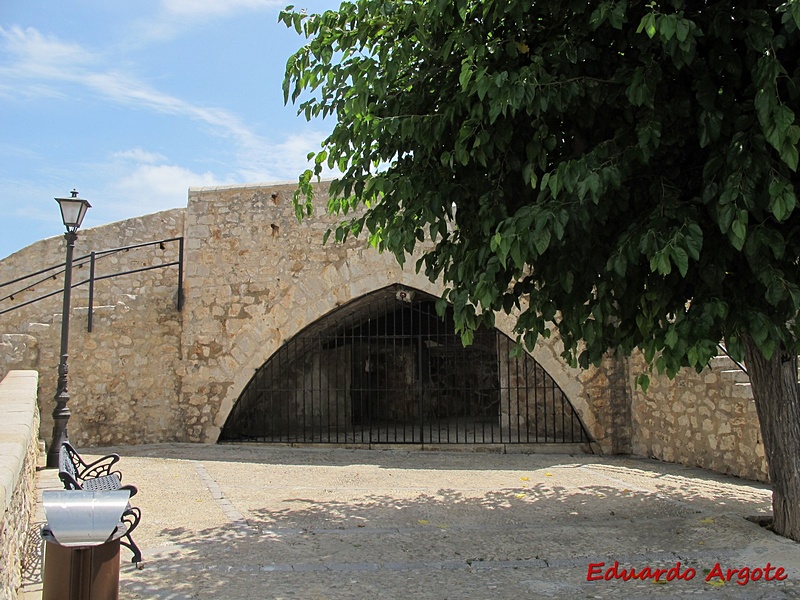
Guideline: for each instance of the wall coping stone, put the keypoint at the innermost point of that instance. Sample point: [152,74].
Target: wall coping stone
[18,393]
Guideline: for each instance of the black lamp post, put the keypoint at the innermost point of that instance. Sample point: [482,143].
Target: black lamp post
[73,209]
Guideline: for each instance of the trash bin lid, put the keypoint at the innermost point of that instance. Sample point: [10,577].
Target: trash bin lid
[81,518]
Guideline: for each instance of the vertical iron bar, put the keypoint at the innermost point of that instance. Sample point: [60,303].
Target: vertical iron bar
[501,339]
[369,392]
[527,428]
[303,358]
[331,380]
[287,401]
[536,400]
[545,386]
[180,273]
[508,397]
[340,364]
[274,428]
[90,317]
[553,400]
[420,377]
[519,392]
[400,420]
[320,404]
[316,396]
[355,411]
[418,318]
[571,425]
[264,396]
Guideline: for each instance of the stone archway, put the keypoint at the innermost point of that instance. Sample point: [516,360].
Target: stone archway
[385,368]
[255,278]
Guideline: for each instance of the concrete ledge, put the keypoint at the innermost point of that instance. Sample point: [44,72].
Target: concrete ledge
[18,406]
[19,429]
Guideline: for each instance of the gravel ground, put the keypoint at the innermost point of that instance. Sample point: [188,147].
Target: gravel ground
[242,522]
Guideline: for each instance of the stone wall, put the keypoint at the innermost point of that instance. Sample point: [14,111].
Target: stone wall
[703,419]
[19,452]
[124,377]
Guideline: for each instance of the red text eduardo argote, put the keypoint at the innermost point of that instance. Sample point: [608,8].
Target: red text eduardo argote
[718,573]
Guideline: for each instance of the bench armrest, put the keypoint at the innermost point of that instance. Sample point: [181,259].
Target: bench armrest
[98,468]
[70,483]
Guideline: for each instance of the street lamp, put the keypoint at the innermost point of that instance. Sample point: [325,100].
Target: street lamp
[73,209]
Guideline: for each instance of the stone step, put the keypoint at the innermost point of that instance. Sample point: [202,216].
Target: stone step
[723,362]
[737,375]
[742,390]
[82,312]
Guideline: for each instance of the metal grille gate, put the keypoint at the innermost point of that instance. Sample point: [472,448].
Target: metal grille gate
[387,369]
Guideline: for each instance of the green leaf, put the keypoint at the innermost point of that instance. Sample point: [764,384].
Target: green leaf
[671,338]
[638,92]
[776,202]
[482,83]
[599,15]
[682,29]
[763,103]
[727,213]
[681,260]
[649,351]
[494,245]
[783,117]
[662,263]
[692,356]
[620,264]
[737,233]
[648,25]
[789,155]
[693,241]
[775,292]
[466,75]
[666,26]
[541,239]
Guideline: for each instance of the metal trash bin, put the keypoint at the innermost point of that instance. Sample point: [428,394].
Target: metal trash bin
[81,560]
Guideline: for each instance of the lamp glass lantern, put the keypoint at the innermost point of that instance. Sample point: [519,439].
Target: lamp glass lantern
[73,209]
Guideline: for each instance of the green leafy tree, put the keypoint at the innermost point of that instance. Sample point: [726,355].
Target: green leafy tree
[622,172]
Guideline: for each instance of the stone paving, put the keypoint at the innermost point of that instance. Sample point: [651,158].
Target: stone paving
[238,522]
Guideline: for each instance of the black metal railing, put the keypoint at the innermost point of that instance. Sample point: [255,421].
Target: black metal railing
[736,362]
[37,278]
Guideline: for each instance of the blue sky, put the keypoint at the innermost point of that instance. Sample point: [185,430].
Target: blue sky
[132,103]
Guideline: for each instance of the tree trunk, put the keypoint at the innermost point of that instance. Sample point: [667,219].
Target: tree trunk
[777,397]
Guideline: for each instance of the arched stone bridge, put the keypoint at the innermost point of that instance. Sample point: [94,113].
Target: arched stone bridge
[255,279]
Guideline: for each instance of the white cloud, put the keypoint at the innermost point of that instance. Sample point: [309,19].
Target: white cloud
[42,63]
[33,63]
[174,17]
[278,160]
[42,53]
[216,8]
[151,188]
[140,156]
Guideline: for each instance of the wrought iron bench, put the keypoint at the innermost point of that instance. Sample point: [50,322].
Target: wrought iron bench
[76,474]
